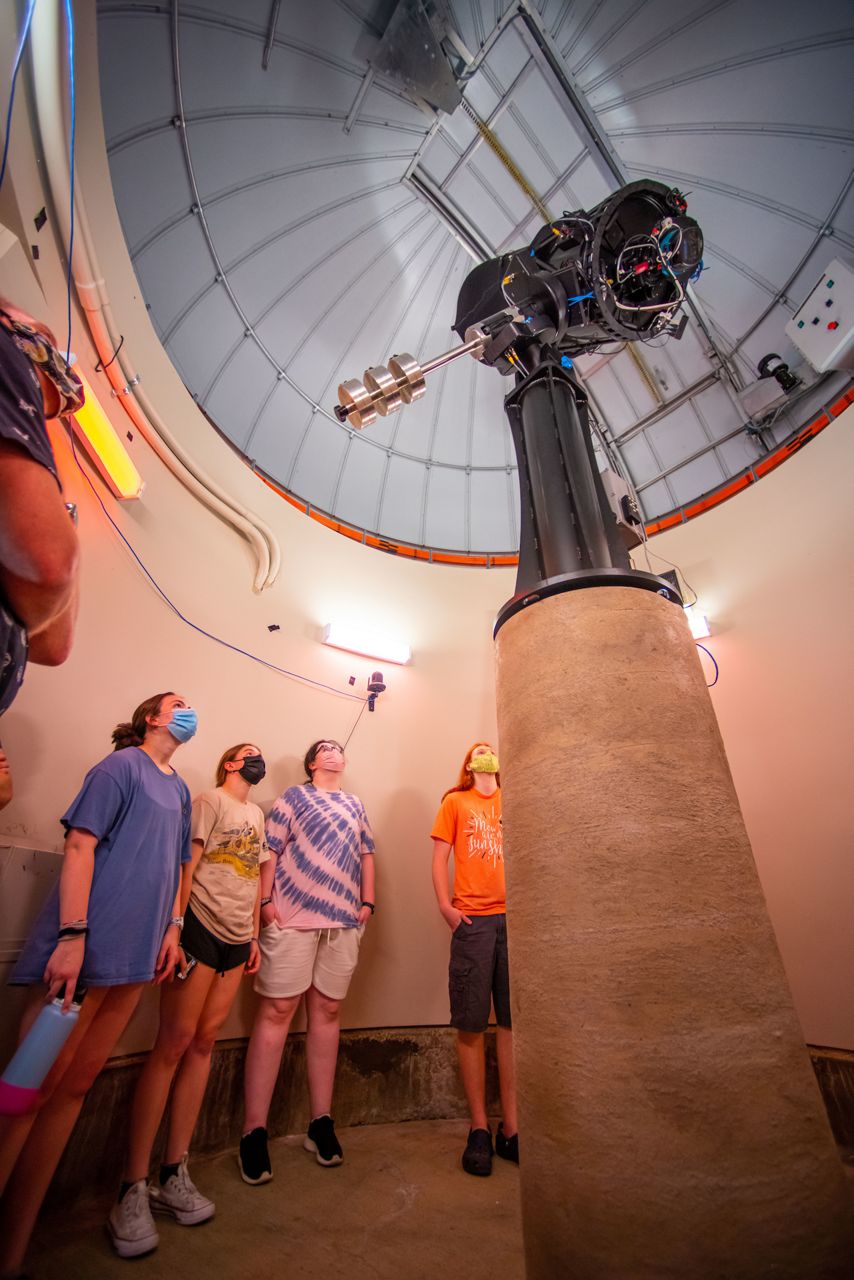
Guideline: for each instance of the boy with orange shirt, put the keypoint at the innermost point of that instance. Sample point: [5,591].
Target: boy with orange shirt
[469,822]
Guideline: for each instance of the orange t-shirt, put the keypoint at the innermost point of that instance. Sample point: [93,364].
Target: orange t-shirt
[472,824]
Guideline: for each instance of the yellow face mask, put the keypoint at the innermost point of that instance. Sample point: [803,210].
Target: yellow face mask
[484,764]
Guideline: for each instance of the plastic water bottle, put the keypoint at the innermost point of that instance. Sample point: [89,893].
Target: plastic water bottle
[36,1054]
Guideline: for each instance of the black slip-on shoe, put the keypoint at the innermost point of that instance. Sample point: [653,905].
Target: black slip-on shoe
[477,1157]
[506,1148]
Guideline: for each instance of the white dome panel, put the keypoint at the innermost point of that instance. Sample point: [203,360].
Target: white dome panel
[309,170]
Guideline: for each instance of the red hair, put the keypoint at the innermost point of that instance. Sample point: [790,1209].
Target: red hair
[466,780]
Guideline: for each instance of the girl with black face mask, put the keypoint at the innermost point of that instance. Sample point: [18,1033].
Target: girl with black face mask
[221,907]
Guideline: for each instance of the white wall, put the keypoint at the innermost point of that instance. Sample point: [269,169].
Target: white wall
[773,570]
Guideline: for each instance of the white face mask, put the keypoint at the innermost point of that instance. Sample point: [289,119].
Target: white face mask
[484,764]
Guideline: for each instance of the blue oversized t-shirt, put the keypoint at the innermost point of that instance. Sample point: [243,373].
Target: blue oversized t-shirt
[141,817]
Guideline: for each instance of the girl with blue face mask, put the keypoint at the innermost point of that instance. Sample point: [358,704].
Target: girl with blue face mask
[222,901]
[112,924]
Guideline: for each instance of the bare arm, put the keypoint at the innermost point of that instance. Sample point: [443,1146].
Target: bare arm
[368,885]
[268,870]
[170,948]
[253,962]
[5,780]
[441,856]
[38,544]
[188,870]
[50,645]
[75,882]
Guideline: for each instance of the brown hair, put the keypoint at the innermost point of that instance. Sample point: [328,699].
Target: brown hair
[225,758]
[312,753]
[466,780]
[132,732]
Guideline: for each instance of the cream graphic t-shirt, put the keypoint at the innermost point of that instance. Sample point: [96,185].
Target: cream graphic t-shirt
[225,881]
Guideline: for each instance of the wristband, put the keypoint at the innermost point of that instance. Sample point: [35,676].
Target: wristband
[72,931]
[265,902]
[372,905]
[178,921]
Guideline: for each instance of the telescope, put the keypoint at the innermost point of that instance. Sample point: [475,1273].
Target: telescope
[615,273]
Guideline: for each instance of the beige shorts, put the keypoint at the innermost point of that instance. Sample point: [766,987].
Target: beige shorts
[292,960]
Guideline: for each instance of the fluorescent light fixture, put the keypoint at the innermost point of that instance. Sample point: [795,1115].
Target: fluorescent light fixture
[365,640]
[698,622]
[94,429]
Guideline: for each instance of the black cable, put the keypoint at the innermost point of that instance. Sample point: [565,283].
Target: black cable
[102,368]
[355,723]
[714,664]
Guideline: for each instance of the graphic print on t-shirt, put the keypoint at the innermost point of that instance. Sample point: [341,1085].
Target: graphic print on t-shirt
[483,836]
[237,848]
[471,824]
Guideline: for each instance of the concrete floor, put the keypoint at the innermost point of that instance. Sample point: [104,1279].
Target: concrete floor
[398,1208]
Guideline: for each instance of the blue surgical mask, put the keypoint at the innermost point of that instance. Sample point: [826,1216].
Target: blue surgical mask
[184,723]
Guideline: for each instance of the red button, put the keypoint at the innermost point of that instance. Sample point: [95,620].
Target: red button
[834,324]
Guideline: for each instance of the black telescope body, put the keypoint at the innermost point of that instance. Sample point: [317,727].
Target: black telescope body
[616,273]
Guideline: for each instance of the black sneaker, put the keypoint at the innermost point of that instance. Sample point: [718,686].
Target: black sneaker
[322,1141]
[507,1148]
[477,1157]
[254,1158]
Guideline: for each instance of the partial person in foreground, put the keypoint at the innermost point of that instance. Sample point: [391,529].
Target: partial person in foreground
[469,823]
[38,542]
[220,903]
[317,896]
[112,925]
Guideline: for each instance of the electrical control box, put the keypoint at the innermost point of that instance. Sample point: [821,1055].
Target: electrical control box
[823,326]
[623,504]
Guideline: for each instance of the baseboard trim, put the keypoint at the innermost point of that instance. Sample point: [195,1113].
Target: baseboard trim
[385,1076]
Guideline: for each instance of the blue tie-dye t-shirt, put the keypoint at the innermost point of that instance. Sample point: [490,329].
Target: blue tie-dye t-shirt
[317,839]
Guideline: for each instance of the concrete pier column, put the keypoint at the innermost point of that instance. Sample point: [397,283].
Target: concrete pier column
[670,1121]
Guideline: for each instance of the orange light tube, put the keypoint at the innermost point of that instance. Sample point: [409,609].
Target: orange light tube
[103,445]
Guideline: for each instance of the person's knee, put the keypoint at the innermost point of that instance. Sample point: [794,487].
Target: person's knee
[470,1039]
[324,1007]
[173,1043]
[203,1042]
[77,1080]
[277,1010]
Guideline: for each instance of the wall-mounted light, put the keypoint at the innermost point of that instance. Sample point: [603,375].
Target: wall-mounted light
[95,431]
[366,640]
[697,621]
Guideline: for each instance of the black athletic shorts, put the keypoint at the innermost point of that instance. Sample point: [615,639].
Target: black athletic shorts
[202,945]
[479,972]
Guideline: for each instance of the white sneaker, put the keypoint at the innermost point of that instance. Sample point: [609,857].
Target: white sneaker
[130,1223]
[181,1199]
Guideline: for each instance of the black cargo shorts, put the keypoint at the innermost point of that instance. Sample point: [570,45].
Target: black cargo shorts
[478,971]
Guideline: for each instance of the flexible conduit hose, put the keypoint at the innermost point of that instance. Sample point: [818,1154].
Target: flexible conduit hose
[47,45]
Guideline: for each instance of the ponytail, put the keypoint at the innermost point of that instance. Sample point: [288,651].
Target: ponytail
[132,732]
